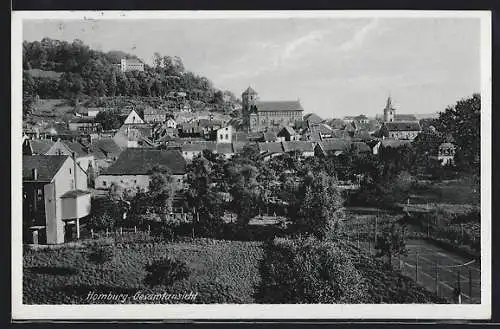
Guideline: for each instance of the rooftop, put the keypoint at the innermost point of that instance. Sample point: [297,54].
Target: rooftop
[279,106]
[402,126]
[47,166]
[140,161]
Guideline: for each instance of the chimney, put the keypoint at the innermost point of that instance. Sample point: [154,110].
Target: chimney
[35,173]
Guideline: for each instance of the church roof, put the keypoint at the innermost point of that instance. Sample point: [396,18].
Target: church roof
[279,106]
[402,126]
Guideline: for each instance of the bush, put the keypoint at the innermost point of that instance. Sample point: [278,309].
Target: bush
[309,271]
[100,253]
[165,272]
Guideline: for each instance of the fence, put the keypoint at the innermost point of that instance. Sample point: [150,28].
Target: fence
[437,272]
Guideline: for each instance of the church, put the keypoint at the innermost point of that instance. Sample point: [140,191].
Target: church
[259,115]
[399,126]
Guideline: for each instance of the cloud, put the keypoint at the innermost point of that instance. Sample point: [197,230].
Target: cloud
[359,37]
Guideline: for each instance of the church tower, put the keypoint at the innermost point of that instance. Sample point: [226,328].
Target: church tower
[248,98]
[389,111]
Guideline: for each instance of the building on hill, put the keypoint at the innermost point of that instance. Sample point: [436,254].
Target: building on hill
[134,167]
[85,125]
[258,115]
[131,135]
[55,198]
[152,115]
[130,64]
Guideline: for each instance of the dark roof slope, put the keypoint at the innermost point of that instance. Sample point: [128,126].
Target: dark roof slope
[102,148]
[140,161]
[334,144]
[405,117]
[402,126]
[273,147]
[279,106]
[40,146]
[77,148]
[47,166]
[299,146]
[312,118]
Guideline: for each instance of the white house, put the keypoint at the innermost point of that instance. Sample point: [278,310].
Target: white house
[55,198]
[225,134]
[171,123]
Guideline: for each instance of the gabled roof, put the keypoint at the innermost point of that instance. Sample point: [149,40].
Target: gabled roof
[47,166]
[279,106]
[273,147]
[288,130]
[405,117]
[402,126]
[361,147]
[312,118]
[140,161]
[77,148]
[40,146]
[321,128]
[334,144]
[101,148]
[299,146]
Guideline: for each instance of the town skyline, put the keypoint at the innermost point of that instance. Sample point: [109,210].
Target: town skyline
[369,64]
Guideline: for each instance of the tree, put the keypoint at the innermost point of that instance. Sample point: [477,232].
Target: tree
[391,242]
[161,189]
[109,119]
[320,206]
[463,122]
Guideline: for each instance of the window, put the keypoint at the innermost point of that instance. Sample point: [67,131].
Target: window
[103,183]
[227,137]
[121,181]
[70,171]
[135,181]
[221,136]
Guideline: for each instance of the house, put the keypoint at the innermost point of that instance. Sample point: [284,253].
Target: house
[288,134]
[55,198]
[131,135]
[446,154]
[389,143]
[271,149]
[302,148]
[192,150]
[133,118]
[400,130]
[84,158]
[258,115]
[332,147]
[84,125]
[134,167]
[90,112]
[130,64]
[225,134]
[105,152]
[152,115]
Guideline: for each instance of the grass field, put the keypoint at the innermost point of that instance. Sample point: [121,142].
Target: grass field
[464,191]
[220,271]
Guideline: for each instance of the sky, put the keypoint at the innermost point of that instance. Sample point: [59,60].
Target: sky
[334,66]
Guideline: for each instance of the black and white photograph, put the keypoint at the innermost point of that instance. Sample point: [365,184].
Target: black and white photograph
[251,164]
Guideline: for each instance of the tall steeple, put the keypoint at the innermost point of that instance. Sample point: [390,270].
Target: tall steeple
[389,111]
